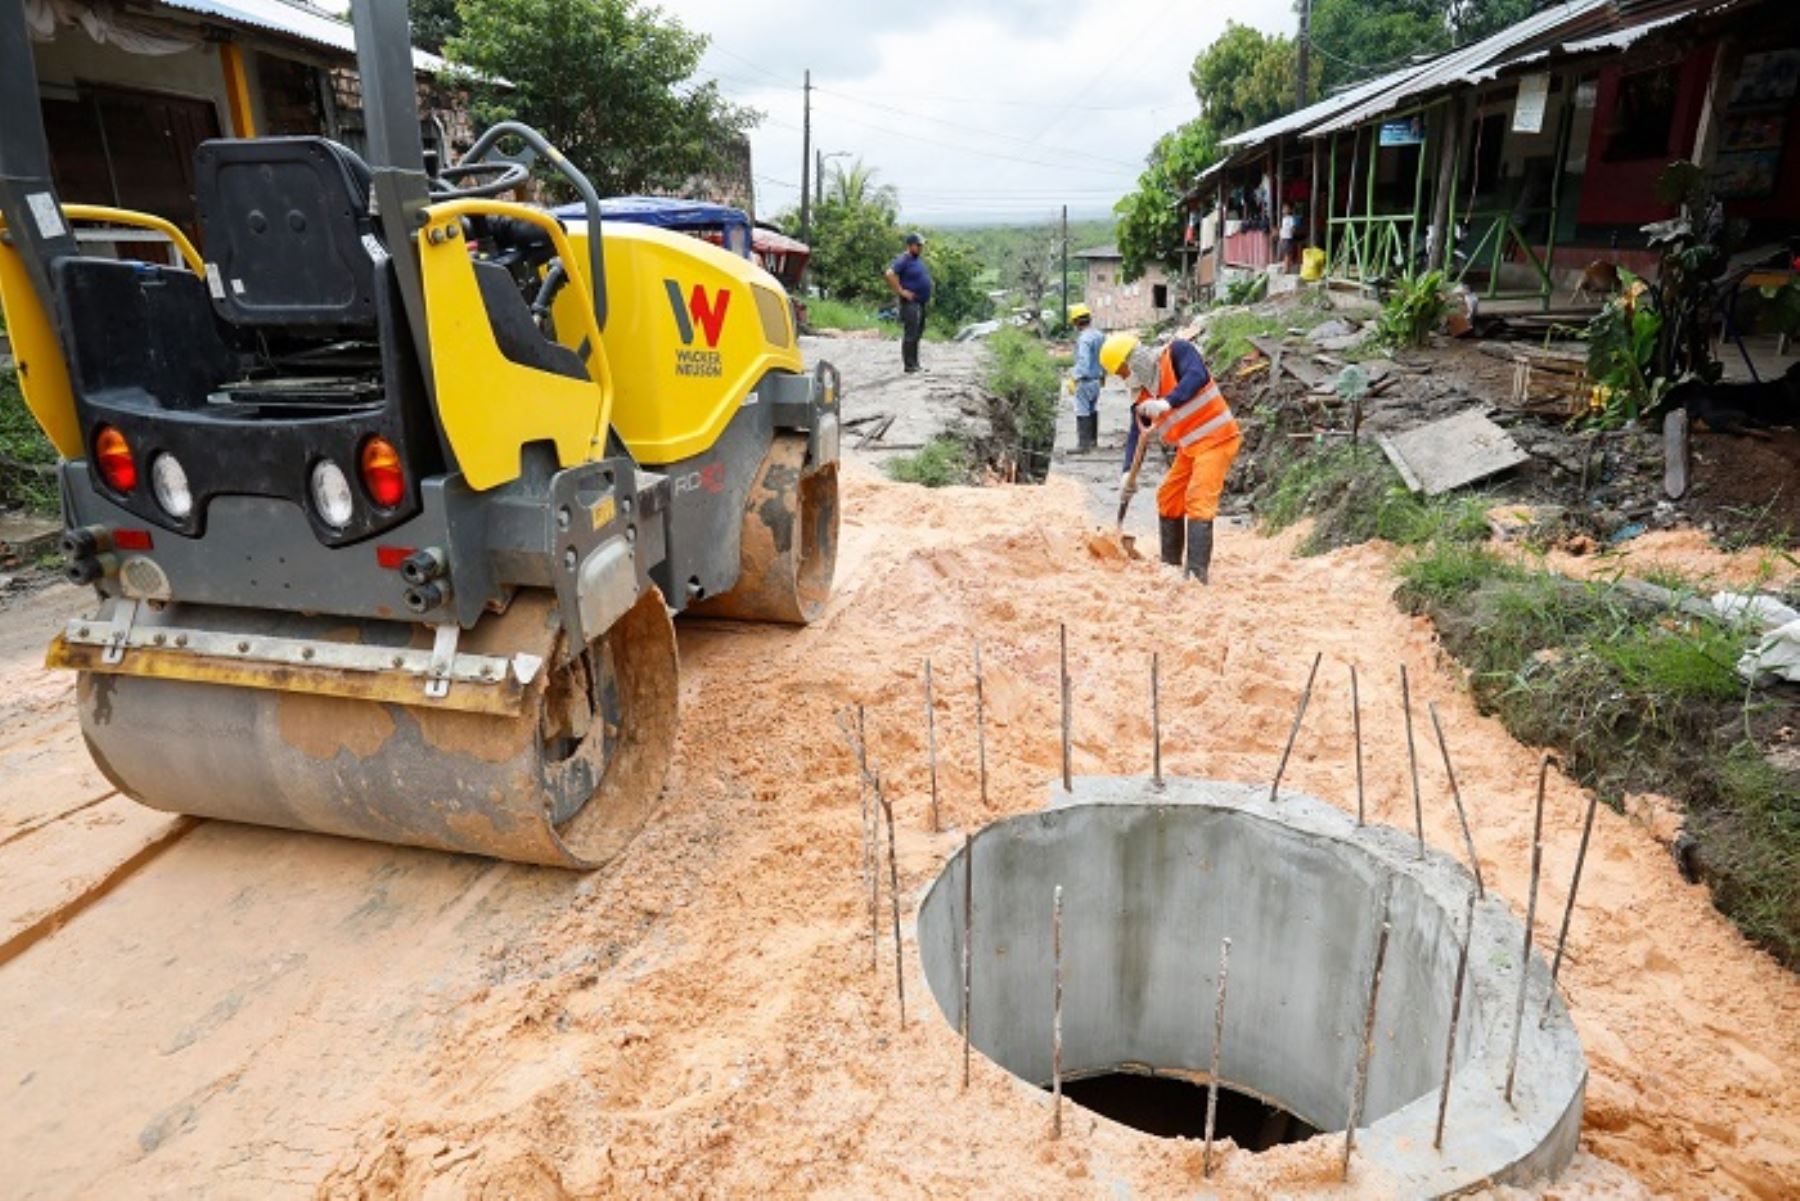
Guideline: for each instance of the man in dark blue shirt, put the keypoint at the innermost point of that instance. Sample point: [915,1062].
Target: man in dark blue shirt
[911,282]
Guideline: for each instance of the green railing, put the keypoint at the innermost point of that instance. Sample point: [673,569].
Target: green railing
[1500,231]
[1368,249]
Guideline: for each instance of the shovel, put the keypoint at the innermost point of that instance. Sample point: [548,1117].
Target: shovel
[1128,489]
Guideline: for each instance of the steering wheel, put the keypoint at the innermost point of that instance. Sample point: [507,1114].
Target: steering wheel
[511,174]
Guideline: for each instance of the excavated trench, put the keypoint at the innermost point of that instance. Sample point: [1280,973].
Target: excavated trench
[1153,881]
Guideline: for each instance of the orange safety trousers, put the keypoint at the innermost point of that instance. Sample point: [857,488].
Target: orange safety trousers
[1194,481]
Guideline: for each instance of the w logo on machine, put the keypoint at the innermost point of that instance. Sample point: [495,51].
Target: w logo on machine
[698,310]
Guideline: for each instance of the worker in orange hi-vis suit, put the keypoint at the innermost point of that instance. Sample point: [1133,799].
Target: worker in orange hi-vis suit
[1178,399]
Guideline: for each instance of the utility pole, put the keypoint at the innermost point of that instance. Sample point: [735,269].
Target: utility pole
[1065,268]
[806,161]
[1305,38]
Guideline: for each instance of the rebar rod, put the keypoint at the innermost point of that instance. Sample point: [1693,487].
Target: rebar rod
[1068,777]
[1294,731]
[931,747]
[1156,776]
[1537,864]
[1462,971]
[1562,936]
[1212,1076]
[1412,760]
[1462,815]
[1356,729]
[967,951]
[1360,1088]
[980,727]
[1056,1016]
[894,896]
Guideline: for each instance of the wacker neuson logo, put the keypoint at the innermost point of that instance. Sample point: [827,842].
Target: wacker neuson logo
[706,313]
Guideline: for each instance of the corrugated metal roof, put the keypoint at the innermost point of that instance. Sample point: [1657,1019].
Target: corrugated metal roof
[1320,110]
[302,22]
[1464,65]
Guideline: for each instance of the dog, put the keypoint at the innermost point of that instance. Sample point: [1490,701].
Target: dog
[1739,408]
[1599,278]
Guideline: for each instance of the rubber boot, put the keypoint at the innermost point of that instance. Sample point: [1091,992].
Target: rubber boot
[1087,432]
[1170,528]
[1199,548]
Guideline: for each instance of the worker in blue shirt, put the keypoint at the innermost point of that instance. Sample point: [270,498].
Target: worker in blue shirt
[911,282]
[1089,375]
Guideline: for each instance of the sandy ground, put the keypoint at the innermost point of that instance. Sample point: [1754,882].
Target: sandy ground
[235,1012]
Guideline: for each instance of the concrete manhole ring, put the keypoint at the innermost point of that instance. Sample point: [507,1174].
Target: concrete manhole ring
[1153,880]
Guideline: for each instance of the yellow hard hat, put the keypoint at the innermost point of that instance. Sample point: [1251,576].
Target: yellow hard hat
[1078,311]
[1115,350]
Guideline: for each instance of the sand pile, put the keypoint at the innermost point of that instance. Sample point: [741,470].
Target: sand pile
[703,1019]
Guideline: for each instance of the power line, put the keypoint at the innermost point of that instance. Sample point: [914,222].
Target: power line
[982,151]
[988,133]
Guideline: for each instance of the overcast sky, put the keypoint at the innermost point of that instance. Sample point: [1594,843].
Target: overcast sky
[976,111]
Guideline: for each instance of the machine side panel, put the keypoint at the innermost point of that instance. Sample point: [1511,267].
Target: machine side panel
[687,341]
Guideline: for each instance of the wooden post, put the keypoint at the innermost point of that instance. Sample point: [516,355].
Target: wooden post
[1449,149]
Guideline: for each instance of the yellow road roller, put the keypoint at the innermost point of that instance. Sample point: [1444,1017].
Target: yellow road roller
[389,488]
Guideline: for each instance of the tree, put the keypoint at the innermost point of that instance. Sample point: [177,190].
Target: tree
[599,79]
[854,235]
[434,22]
[1359,39]
[1150,219]
[1243,79]
[1036,276]
[956,295]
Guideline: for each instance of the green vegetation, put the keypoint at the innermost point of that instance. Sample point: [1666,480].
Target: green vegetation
[26,456]
[945,460]
[1622,343]
[822,312]
[1416,307]
[1024,387]
[611,83]
[1636,696]
[1354,496]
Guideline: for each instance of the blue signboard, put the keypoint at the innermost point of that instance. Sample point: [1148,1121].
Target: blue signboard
[1407,131]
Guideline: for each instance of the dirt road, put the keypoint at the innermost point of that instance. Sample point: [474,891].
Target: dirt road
[221,1011]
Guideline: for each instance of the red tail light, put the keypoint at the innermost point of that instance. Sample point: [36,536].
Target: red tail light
[112,454]
[124,539]
[382,474]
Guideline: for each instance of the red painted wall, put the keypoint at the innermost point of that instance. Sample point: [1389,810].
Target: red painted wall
[1625,192]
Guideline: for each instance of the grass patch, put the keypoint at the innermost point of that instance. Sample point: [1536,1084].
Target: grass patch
[26,456]
[824,313]
[1636,696]
[1355,496]
[1636,699]
[944,461]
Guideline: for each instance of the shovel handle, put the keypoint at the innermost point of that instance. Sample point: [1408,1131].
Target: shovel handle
[1129,488]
